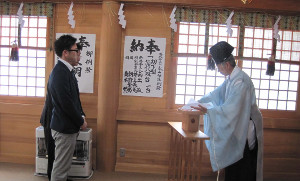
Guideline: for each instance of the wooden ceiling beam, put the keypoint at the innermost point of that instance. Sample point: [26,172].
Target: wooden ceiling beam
[283,7]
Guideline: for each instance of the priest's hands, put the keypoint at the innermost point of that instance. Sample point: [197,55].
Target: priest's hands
[200,108]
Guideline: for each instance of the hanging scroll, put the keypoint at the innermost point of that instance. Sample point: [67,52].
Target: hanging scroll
[143,66]
[85,68]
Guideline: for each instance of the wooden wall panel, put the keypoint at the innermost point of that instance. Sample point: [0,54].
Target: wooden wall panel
[146,147]
[281,153]
[149,21]
[17,138]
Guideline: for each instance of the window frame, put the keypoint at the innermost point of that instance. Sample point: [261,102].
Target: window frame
[48,68]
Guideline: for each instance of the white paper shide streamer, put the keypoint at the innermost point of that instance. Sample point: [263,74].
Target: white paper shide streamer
[276,30]
[122,20]
[20,15]
[173,20]
[71,16]
[229,25]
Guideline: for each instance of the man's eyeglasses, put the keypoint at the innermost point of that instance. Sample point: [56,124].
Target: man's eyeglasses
[76,50]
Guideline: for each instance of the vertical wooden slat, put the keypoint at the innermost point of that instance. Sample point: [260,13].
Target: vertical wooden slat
[189,160]
[183,159]
[194,164]
[172,155]
[179,157]
[200,159]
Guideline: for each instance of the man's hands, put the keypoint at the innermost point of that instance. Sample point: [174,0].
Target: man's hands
[84,125]
[200,108]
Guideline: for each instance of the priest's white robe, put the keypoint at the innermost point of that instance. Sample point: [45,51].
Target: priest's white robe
[227,122]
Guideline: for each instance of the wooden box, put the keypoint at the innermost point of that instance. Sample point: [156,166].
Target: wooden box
[191,120]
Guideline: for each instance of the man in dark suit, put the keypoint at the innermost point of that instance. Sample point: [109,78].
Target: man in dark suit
[67,114]
[45,122]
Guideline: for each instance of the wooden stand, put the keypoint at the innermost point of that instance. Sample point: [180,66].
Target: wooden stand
[185,153]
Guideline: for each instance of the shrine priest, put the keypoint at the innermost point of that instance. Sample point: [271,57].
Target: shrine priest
[234,123]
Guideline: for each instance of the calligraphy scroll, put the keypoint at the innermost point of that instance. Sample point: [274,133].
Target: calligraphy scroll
[143,66]
[86,67]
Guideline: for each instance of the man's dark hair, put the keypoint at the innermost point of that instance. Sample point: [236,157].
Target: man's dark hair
[79,47]
[65,42]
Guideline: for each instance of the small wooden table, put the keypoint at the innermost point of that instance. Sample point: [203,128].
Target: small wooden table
[185,153]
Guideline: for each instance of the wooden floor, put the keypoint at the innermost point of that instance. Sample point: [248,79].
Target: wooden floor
[20,172]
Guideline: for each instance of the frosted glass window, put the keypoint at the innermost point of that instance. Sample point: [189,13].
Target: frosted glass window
[182,49]
[192,61]
[283,85]
[181,69]
[272,104]
[183,29]
[22,91]
[181,79]
[277,92]
[263,104]
[192,49]
[4,80]
[293,86]
[194,29]
[191,70]
[210,81]
[270,90]
[183,39]
[281,105]
[181,60]
[40,92]
[191,80]
[201,80]
[20,75]
[179,99]
[200,90]
[193,40]
[31,91]
[180,89]
[291,106]
[190,90]
[13,90]
[209,89]
[292,96]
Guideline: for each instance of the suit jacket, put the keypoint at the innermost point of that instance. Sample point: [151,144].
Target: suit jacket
[47,111]
[67,110]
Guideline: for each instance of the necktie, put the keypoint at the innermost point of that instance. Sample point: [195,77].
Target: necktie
[75,80]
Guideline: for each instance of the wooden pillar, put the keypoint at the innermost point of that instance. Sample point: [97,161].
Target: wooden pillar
[108,86]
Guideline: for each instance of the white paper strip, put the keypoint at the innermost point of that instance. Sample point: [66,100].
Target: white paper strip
[71,16]
[173,20]
[20,14]
[122,20]
[276,30]
[229,25]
